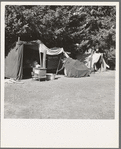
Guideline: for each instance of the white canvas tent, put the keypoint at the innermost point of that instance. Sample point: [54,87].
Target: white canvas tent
[90,59]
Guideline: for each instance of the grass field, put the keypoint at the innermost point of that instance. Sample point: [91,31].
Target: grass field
[63,98]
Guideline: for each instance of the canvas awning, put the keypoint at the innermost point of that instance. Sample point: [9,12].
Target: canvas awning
[52,51]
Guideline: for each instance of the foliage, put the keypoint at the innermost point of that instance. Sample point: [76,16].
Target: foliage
[75,28]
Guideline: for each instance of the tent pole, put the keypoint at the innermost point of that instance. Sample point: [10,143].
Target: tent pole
[91,59]
[18,39]
[40,57]
[40,54]
[44,59]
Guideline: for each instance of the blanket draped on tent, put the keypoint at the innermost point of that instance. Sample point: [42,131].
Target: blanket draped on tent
[75,68]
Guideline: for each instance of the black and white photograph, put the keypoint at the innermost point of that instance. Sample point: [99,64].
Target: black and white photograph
[60,63]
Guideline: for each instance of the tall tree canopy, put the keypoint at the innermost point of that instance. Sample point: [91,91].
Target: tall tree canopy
[75,28]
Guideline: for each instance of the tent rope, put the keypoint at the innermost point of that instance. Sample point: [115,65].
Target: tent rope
[58,66]
[61,68]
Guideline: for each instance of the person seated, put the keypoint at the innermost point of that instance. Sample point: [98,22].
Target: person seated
[36,67]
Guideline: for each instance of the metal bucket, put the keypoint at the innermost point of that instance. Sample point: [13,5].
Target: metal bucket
[50,76]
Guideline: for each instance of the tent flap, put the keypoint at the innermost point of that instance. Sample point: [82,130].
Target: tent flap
[20,63]
[13,63]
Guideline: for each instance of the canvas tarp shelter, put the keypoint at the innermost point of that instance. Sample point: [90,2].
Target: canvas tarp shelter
[75,68]
[14,60]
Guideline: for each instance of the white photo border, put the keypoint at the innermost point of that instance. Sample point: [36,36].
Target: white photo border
[60,133]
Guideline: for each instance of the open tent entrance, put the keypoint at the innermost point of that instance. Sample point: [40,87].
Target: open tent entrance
[30,54]
[53,62]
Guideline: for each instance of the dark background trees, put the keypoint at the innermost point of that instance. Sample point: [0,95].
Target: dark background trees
[75,28]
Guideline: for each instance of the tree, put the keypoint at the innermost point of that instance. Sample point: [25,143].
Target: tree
[75,28]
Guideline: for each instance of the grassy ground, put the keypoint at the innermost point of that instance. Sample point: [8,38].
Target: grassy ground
[63,98]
